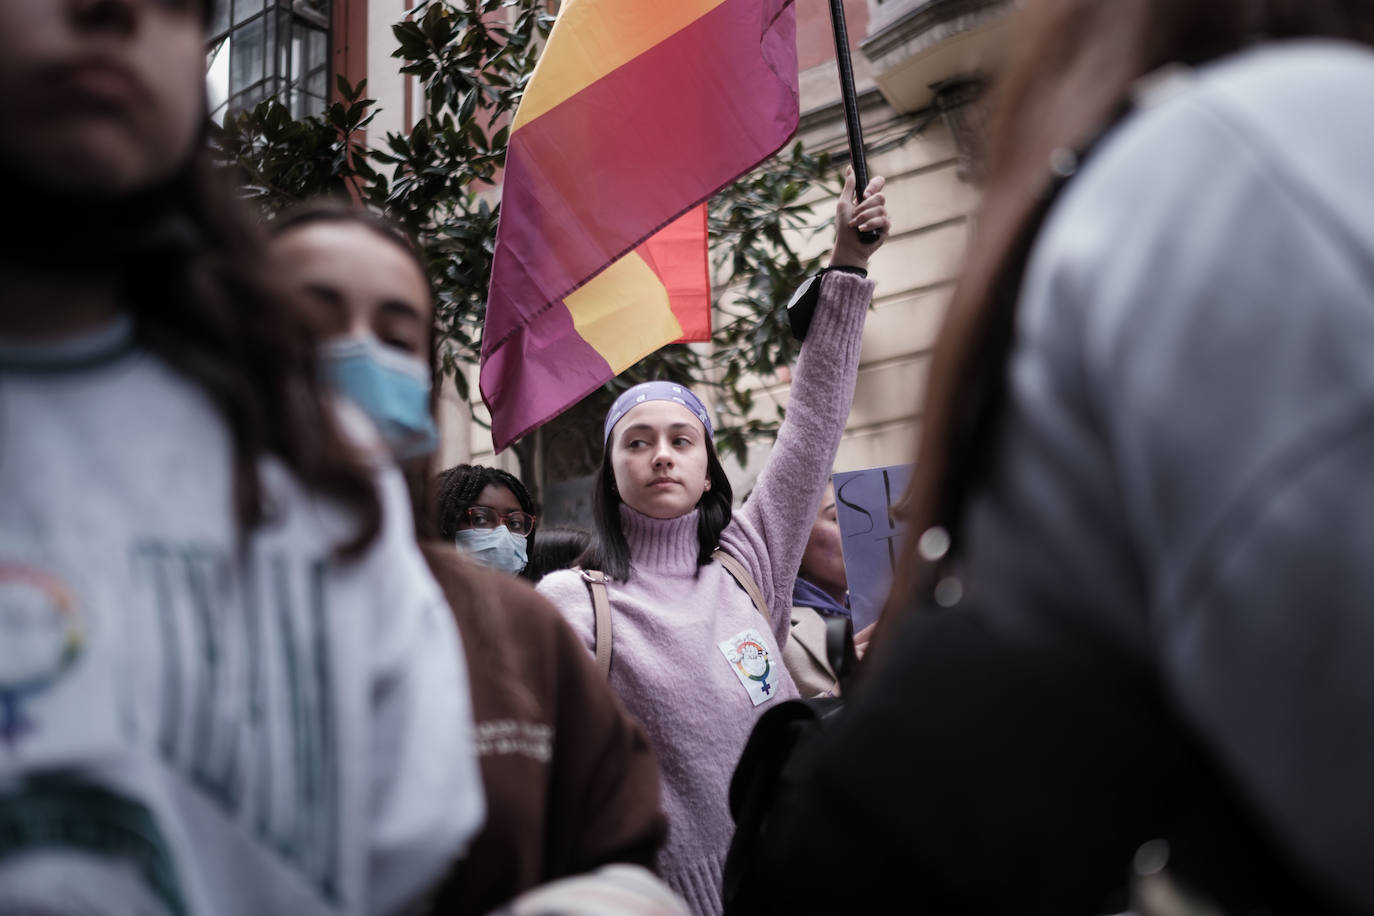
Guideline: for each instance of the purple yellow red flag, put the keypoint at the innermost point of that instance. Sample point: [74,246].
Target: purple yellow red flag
[636,113]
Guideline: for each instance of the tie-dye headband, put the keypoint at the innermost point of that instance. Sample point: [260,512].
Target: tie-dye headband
[656,391]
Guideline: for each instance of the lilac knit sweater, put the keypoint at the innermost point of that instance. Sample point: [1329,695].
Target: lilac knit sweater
[669,618]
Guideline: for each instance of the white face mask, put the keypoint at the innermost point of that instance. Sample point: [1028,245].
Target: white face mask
[496,548]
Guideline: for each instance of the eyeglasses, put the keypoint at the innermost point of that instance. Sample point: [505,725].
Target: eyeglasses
[486,517]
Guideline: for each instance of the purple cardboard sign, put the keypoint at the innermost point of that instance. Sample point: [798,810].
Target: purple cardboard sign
[870,533]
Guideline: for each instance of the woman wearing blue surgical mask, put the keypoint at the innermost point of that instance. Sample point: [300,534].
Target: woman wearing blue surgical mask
[488,514]
[376,301]
[571,784]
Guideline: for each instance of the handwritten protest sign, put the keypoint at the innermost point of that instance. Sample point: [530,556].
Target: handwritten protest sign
[870,533]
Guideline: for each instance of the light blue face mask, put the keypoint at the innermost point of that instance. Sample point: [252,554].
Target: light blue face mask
[390,387]
[496,548]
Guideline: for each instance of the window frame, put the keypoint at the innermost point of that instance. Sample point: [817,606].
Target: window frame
[293,61]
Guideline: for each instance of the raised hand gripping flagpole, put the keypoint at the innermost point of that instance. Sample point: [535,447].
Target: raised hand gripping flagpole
[851,108]
[803,304]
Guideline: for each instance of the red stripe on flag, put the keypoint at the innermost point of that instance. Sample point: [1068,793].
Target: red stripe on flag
[677,255]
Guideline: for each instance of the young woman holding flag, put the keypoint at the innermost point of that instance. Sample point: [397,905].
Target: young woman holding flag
[691,655]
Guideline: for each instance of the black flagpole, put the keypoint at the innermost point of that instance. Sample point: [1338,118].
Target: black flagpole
[851,108]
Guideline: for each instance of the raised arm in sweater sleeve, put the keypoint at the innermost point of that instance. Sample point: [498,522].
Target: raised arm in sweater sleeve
[1228,336]
[772,527]
[776,521]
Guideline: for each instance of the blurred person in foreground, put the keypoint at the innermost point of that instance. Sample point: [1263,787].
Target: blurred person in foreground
[227,683]
[1136,602]
[571,784]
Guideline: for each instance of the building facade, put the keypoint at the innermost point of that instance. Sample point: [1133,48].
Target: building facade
[920,70]
[262,48]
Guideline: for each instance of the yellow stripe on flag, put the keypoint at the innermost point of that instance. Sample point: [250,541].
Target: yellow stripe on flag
[623,312]
[593,37]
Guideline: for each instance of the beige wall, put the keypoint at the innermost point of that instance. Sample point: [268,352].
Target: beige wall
[385,83]
[930,207]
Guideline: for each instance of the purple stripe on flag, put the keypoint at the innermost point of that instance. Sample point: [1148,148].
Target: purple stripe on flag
[537,374]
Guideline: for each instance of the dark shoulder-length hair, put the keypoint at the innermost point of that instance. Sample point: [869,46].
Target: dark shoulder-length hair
[610,552]
[211,307]
[1069,76]
[560,547]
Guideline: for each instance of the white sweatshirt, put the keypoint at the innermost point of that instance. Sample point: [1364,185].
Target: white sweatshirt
[185,728]
[1184,464]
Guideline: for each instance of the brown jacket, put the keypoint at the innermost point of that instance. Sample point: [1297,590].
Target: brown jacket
[570,780]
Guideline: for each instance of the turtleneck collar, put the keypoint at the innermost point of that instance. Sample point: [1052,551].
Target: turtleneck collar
[664,546]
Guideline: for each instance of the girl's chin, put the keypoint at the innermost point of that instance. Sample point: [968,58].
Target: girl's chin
[663,511]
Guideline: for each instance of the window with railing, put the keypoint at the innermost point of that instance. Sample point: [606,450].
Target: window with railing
[261,48]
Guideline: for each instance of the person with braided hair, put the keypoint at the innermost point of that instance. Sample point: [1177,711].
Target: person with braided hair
[228,684]
[488,514]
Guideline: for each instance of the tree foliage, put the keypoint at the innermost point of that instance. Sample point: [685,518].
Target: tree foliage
[472,60]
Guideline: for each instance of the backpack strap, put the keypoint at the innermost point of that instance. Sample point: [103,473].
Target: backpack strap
[601,610]
[601,603]
[741,575]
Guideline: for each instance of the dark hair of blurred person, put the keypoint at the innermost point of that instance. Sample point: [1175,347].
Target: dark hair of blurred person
[559,547]
[1140,486]
[570,781]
